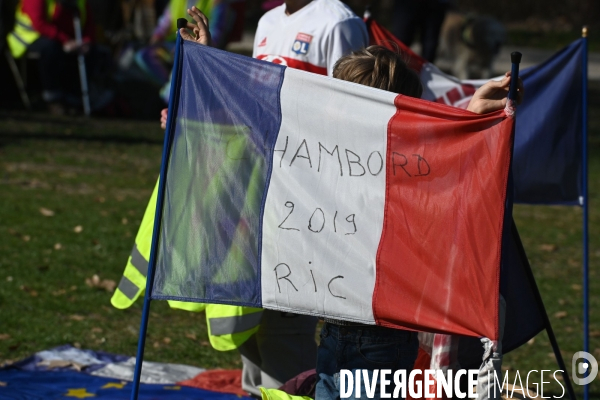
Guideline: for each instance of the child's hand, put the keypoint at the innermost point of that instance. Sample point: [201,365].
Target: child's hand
[163,118]
[201,34]
[492,96]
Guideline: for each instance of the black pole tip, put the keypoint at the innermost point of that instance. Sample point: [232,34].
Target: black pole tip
[181,23]
[515,57]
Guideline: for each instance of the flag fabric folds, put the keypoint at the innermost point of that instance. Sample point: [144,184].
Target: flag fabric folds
[296,192]
[547,161]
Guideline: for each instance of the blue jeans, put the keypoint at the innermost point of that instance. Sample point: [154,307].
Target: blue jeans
[361,347]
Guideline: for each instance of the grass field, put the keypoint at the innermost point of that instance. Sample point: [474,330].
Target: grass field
[73,192]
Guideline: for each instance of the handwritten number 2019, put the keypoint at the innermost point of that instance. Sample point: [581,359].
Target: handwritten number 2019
[317,220]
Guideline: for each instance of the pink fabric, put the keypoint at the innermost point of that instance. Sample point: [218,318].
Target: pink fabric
[270,4]
[302,384]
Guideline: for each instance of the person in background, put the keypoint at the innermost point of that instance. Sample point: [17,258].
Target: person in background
[310,35]
[156,59]
[46,27]
[420,17]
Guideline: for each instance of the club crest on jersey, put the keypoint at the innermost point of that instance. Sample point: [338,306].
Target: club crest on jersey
[302,43]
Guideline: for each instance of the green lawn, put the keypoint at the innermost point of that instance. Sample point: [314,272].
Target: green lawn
[73,193]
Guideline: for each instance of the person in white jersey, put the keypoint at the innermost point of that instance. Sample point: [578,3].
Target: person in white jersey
[312,38]
[310,35]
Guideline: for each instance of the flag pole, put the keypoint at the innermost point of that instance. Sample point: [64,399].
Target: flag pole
[584,150]
[515,58]
[157,216]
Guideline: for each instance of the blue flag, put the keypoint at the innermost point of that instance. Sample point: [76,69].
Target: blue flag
[547,159]
[547,162]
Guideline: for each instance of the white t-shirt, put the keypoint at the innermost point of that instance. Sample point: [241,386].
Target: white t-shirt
[312,39]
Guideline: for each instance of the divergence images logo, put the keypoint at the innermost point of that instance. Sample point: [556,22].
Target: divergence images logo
[584,371]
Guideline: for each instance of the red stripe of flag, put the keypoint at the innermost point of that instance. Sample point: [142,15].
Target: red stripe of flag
[443,217]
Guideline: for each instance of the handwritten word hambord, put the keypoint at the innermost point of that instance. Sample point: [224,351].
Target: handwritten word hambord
[349,162]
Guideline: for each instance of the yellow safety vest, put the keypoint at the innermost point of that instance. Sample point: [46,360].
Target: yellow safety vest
[178,10]
[24,33]
[228,326]
[274,394]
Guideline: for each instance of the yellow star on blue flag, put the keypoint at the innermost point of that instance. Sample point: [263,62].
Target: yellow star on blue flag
[79,393]
[114,385]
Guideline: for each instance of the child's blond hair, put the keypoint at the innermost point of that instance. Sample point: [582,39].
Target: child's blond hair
[380,68]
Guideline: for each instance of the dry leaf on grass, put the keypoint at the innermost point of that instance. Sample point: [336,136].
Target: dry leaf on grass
[167,340]
[573,263]
[156,345]
[594,333]
[560,314]
[78,229]
[57,246]
[548,247]
[531,341]
[105,284]
[28,290]
[76,317]
[191,336]
[97,330]
[26,238]
[46,212]
[576,286]
[4,336]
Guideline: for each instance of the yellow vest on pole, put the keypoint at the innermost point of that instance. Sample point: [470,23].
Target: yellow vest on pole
[228,326]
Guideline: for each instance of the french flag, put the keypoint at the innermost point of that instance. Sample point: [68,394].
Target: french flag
[302,193]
